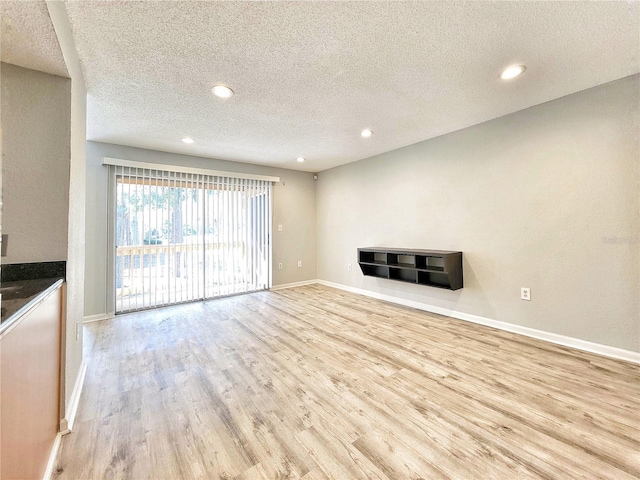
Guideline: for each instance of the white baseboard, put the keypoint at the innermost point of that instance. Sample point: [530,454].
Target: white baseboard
[98,317]
[604,350]
[66,425]
[53,457]
[295,284]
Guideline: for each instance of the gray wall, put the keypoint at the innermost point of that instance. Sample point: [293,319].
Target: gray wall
[43,177]
[293,207]
[35,171]
[546,198]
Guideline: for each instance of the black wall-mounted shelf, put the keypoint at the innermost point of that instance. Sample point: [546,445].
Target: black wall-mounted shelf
[435,268]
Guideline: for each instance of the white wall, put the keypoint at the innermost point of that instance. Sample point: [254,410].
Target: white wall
[73,340]
[35,169]
[293,207]
[546,198]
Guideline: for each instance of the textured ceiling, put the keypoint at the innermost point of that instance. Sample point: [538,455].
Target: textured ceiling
[309,76]
[28,39]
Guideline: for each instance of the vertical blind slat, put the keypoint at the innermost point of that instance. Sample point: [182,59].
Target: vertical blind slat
[187,236]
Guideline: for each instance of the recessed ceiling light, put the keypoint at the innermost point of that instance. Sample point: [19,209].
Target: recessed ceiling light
[188,140]
[366,133]
[222,91]
[512,72]
[300,159]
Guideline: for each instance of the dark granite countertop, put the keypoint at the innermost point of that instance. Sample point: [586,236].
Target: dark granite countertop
[21,296]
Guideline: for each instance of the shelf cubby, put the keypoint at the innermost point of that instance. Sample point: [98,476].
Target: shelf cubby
[375,270]
[434,268]
[381,258]
[434,279]
[430,263]
[403,274]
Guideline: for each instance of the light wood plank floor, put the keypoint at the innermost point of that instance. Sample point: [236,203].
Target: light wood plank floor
[316,383]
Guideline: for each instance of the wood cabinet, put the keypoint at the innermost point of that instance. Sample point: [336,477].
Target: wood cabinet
[30,389]
[434,268]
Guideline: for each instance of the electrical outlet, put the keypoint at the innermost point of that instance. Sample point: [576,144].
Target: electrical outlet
[299,263]
[349,267]
[280,266]
[525,294]
[279,227]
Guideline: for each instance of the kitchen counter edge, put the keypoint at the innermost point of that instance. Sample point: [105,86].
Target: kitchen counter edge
[15,318]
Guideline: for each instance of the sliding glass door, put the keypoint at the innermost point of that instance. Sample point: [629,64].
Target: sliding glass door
[181,237]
